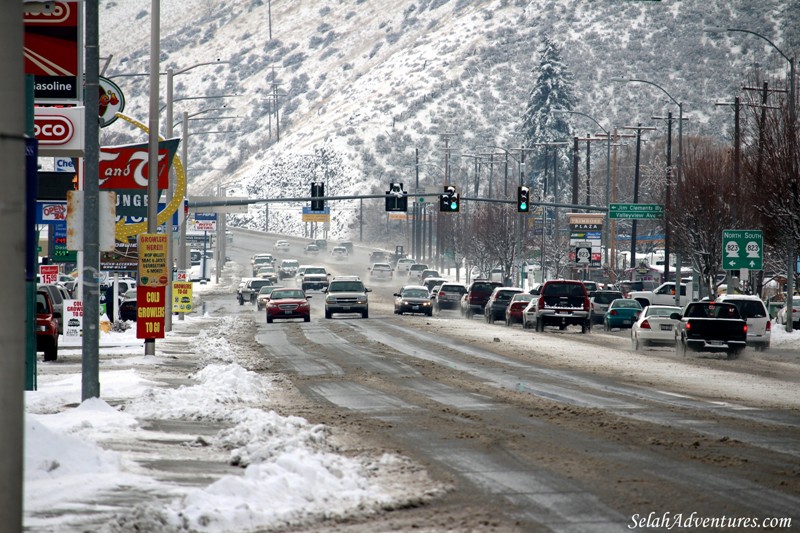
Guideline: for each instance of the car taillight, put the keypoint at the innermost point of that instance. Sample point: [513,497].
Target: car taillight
[645,325]
[688,326]
[587,304]
[613,312]
[540,303]
[769,325]
[745,328]
[442,293]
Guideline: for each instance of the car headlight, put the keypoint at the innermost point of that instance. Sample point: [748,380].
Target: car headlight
[330,299]
[426,303]
[362,300]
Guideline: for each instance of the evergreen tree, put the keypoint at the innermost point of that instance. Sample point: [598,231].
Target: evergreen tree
[552,90]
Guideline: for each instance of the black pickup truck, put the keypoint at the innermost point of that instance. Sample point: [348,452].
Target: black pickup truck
[710,327]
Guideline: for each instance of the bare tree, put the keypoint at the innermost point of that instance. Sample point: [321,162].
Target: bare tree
[705,207]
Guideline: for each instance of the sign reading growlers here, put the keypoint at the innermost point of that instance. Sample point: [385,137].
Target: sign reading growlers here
[153,260]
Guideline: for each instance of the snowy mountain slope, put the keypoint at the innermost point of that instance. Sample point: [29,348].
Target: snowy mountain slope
[367,83]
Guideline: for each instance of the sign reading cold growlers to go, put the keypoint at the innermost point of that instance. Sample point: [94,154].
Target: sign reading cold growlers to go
[150,312]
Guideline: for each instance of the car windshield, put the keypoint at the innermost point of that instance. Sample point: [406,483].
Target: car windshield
[346,286]
[483,286]
[381,266]
[415,293]
[267,289]
[314,271]
[290,263]
[279,294]
[523,297]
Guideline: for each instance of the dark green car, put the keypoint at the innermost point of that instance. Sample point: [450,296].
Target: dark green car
[622,313]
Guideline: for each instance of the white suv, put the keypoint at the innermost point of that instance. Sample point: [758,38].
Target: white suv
[754,311]
[380,272]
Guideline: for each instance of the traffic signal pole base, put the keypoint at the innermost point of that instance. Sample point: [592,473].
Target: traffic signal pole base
[149,346]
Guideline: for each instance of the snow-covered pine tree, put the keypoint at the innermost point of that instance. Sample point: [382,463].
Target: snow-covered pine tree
[551,90]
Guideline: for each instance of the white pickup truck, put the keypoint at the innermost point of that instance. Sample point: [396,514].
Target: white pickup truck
[664,294]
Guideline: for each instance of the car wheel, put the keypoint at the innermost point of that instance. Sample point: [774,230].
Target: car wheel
[586,327]
[733,353]
[635,341]
[241,300]
[269,319]
[306,319]
[327,314]
[51,350]
[468,314]
[508,322]
[430,313]
[606,326]
[539,325]
[489,317]
[365,314]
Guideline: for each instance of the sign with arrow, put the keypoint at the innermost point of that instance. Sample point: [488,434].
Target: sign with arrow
[742,249]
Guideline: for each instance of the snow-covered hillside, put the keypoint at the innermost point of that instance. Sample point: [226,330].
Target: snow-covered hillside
[366,83]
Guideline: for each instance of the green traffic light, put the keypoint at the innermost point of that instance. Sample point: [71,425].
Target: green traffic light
[453,206]
[523,206]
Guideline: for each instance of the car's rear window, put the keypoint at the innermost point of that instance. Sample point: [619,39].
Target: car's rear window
[750,308]
[454,288]
[257,284]
[564,289]
[606,297]
[487,287]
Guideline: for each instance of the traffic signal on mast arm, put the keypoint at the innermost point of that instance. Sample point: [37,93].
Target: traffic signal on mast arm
[396,198]
[317,191]
[450,201]
[523,199]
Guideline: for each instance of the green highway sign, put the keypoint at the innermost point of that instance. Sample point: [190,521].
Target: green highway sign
[742,248]
[638,211]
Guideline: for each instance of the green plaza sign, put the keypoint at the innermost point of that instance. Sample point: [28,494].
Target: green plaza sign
[742,248]
[636,211]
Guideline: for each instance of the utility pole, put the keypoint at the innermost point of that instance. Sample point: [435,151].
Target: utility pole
[638,129]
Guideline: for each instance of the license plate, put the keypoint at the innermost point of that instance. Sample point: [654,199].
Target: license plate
[666,327]
[346,307]
[287,312]
[626,321]
[415,307]
[715,343]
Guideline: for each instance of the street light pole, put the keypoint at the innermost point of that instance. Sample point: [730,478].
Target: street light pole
[171,190]
[678,269]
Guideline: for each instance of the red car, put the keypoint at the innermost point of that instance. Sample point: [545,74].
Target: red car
[47,319]
[288,303]
[515,308]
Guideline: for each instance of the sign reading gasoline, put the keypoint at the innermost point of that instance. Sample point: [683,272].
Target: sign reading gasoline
[150,312]
[181,297]
[153,260]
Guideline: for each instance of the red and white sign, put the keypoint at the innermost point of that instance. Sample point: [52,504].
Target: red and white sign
[127,166]
[150,312]
[59,130]
[54,212]
[48,273]
[52,53]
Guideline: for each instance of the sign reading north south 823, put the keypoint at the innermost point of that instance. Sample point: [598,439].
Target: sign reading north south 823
[742,248]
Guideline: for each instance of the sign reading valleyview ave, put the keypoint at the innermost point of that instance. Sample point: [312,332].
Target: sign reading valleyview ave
[638,211]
